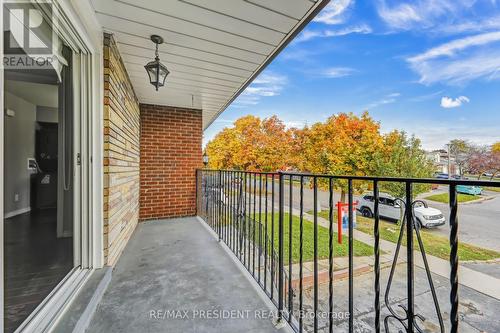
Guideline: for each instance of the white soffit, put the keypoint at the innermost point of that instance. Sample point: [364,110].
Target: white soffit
[213,48]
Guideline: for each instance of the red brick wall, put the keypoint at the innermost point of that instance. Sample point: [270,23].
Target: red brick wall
[170,154]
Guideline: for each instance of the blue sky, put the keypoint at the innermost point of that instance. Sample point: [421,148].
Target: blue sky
[428,67]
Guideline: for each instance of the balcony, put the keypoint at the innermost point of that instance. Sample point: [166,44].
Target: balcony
[263,253]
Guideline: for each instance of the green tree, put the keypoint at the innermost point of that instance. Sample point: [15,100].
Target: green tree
[461,151]
[404,157]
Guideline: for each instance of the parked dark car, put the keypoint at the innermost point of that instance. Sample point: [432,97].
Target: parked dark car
[441,175]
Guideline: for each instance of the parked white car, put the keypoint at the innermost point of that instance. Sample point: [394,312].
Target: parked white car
[390,208]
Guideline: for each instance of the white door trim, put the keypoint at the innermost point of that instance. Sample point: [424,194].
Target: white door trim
[76,29]
[1,177]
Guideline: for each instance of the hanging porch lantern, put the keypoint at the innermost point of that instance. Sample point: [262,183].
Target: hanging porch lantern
[157,72]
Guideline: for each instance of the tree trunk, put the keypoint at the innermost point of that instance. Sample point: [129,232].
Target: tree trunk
[342,195]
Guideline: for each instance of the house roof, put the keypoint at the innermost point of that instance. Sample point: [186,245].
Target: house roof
[213,48]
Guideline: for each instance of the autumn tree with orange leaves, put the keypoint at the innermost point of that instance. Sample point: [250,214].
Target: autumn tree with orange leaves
[345,144]
[252,144]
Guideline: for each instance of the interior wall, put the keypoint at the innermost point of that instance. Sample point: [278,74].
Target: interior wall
[46,114]
[19,138]
[121,154]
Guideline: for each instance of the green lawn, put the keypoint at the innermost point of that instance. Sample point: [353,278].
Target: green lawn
[339,250]
[494,189]
[433,244]
[444,197]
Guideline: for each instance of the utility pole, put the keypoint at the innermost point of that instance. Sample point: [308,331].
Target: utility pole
[449,160]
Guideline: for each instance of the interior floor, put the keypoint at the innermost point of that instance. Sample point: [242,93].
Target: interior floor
[35,262]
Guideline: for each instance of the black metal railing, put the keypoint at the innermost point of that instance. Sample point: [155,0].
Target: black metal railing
[266,221]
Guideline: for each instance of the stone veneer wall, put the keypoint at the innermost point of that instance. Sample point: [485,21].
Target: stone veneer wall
[121,154]
[170,154]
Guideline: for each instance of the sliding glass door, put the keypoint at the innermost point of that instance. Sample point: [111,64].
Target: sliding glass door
[41,156]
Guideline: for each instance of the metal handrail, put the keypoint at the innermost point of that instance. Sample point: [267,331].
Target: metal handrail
[235,204]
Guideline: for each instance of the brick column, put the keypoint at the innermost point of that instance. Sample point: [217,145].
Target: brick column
[121,153]
[170,148]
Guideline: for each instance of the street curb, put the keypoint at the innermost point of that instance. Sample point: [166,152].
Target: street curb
[489,261]
[490,197]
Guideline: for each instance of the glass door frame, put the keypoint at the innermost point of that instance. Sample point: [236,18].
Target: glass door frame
[87,232]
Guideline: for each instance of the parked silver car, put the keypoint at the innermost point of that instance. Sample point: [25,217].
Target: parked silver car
[390,208]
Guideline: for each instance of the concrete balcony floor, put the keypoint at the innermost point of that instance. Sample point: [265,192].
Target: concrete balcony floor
[171,275]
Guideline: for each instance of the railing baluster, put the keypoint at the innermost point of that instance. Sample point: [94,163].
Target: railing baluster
[214,203]
[280,247]
[224,226]
[234,220]
[272,237]
[245,222]
[330,255]
[209,200]
[290,238]
[234,209]
[233,204]
[265,237]
[212,199]
[237,214]
[254,220]
[260,226]
[454,258]
[249,220]
[315,246]
[409,253]
[376,233]
[351,256]
[220,192]
[301,254]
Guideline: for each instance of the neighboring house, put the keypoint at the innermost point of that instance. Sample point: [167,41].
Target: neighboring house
[122,152]
[440,159]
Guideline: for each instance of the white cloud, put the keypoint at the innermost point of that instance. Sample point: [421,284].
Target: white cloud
[442,16]
[334,12]
[355,29]
[295,124]
[402,16]
[387,99]
[266,85]
[451,48]
[448,102]
[425,97]
[336,72]
[471,25]
[460,61]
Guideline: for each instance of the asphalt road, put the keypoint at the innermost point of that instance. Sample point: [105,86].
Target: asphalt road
[479,223]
